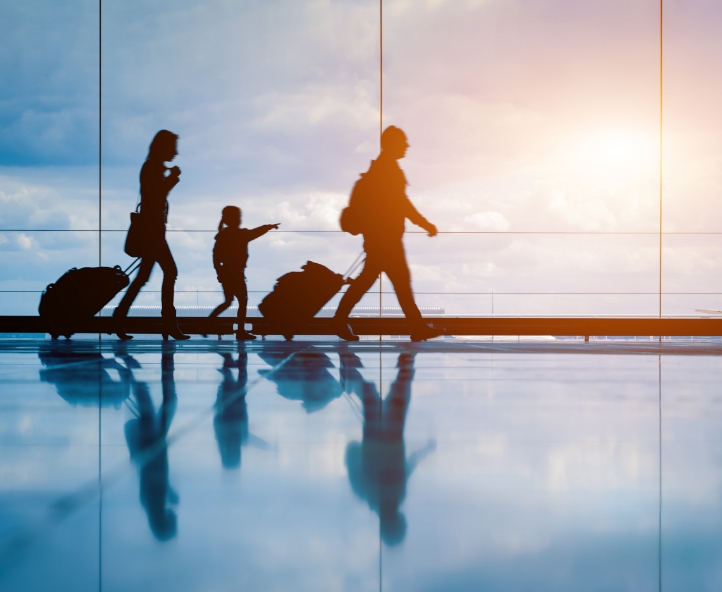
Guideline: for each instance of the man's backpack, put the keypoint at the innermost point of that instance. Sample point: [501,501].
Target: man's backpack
[353,216]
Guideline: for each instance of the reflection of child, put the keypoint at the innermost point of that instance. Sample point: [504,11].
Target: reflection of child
[230,255]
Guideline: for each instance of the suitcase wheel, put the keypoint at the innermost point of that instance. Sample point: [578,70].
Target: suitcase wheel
[289,337]
[67,335]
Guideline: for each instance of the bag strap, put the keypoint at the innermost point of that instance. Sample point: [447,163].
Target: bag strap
[360,258]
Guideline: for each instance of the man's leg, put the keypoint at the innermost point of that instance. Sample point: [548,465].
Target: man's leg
[397,269]
[355,292]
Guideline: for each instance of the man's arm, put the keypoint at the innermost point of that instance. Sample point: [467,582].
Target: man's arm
[418,456]
[414,216]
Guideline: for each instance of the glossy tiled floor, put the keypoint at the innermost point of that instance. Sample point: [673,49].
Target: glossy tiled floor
[208,466]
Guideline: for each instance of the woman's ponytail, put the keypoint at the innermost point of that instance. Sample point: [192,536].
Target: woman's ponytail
[229,216]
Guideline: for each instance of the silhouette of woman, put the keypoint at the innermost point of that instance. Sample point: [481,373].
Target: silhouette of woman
[156,181]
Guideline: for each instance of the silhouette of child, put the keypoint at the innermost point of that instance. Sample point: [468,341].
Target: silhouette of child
[230,255]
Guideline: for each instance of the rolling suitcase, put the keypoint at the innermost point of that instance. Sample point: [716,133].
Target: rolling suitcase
[299,295]
[79,295]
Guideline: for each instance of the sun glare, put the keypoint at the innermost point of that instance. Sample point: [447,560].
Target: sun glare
[618,153]
[618,149]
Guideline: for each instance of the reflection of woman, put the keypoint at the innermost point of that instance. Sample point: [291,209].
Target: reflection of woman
[156,181]
[146,438]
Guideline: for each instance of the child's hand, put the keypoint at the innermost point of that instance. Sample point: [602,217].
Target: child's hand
[275,226]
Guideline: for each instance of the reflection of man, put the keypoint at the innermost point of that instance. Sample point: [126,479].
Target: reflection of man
[146,437]
[377,466]
[380,208]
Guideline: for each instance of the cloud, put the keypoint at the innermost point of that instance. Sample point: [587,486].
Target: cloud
[317,105]
[25,242]
[488,221]
[49,67]
[276,104]
[48,198]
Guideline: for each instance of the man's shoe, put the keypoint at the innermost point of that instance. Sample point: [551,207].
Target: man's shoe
[245,336]
[345,332]
[424,332]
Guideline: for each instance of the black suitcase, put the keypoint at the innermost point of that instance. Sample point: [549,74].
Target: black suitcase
[79,295]
[298,296]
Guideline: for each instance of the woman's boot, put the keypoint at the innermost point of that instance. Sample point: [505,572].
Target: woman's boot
[170,327]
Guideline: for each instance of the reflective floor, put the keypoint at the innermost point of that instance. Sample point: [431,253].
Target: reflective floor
[212,466]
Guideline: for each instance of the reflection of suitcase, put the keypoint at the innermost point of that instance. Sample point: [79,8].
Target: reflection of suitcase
[298,296]
[78,295]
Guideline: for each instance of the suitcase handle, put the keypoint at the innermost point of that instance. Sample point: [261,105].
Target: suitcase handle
[360,258]
[128,270]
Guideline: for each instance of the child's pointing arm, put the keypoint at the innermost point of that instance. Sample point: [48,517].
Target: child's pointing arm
[261,230]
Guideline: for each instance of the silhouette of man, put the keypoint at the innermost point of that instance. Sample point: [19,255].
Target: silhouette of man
[377,467]
[146,438]
[381,210]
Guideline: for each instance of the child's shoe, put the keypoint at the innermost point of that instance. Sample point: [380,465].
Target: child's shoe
[245,336]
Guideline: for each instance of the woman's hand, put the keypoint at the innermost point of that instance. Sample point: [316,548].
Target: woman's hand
[431,230]
[174,171]
[274,226]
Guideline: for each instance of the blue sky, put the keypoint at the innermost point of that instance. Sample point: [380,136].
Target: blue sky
[49,97]
[522,116]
